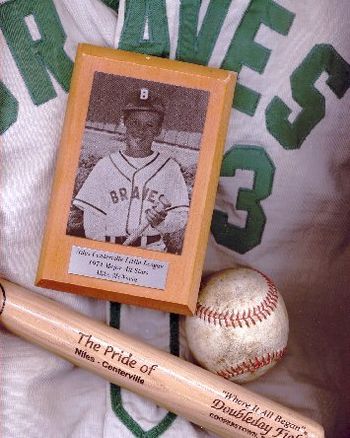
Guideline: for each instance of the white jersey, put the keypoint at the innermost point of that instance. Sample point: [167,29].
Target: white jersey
[120,189]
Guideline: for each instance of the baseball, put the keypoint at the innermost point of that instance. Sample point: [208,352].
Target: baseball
[240,328]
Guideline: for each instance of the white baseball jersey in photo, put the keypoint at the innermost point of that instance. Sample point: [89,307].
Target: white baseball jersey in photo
[120,190]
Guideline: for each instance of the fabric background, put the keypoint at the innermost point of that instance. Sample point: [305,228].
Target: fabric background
[301,241]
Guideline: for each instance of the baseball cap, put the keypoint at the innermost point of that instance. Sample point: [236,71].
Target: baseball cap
[144,99]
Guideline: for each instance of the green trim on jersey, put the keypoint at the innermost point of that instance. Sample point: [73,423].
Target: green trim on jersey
[34,58]
[114,4]
[322,58]
[257,160]
[116,398]
[8,108]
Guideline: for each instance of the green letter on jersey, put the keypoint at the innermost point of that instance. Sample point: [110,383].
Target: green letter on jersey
[8,108]
[193,47]
[244,51]
[35,55]
[145,28]
[322,58]
[233,237]
[114,4]
[120,408]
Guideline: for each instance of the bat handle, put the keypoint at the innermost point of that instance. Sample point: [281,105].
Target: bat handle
[137,233]
[163,204]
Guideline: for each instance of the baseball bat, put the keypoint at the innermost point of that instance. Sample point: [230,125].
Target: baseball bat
[163,204]
[210,401]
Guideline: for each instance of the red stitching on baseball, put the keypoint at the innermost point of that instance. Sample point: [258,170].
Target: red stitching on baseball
[252,365]
[248,317]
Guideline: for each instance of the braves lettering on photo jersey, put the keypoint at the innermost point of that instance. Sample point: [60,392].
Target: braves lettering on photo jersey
[119,193]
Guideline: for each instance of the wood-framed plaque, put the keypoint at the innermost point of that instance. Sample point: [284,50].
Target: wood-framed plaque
[136,179]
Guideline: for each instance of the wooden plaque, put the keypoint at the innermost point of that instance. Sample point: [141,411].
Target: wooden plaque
[136,179]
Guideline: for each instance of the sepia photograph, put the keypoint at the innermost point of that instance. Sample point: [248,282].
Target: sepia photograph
[138,163]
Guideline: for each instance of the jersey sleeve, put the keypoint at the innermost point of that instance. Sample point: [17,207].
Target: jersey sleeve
[93,193]
[177,193]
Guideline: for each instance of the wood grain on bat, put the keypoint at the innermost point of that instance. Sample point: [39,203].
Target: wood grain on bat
[212,402]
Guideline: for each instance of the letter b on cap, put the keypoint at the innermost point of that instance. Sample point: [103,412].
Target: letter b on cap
[144,94]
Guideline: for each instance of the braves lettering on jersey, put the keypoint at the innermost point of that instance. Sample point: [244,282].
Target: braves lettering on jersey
[120,189]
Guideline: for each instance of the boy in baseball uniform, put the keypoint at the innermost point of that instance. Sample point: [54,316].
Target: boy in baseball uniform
[135,186]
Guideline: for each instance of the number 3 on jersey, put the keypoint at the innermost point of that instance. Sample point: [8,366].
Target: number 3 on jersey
[255,159]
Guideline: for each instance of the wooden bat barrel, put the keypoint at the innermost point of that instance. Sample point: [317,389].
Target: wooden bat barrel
[210,401]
